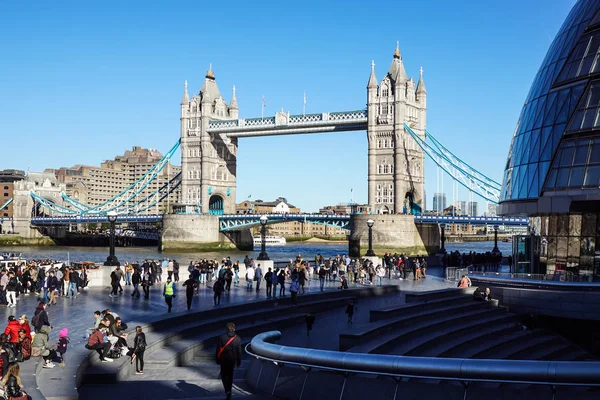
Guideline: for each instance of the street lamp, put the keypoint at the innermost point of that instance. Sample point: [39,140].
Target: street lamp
[370,252]
[496,249]
[112,260]
[443,228]
[263,239]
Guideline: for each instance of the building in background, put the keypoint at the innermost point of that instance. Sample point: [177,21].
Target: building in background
[345,209]
[8,177]
[491,210]
[461,207]
[472,208]
[439,202]
[290,228]
[553,167]
[95,185]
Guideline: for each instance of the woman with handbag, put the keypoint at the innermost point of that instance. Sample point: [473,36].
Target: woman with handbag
[12,383]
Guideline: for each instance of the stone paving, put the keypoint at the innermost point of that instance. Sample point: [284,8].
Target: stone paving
[77,315]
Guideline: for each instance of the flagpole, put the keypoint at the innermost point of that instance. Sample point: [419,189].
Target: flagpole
[262,108]
[304,106]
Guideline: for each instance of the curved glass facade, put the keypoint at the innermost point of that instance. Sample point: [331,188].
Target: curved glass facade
[552,172]
[557,91]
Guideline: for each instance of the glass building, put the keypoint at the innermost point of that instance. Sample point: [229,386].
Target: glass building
[553,168]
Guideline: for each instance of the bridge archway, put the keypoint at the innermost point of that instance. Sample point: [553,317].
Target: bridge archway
[216,205]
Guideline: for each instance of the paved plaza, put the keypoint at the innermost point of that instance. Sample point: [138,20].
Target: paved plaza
[77,315]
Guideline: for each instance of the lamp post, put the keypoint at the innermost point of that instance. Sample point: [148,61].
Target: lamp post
[112,260]
[443,228]
[370,252]
[496,250]
[263,239]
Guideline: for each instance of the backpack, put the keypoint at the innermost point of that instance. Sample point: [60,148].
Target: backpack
[62,345]
[11,353]
[35,321]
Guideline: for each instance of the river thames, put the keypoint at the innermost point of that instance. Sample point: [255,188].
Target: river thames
[276,253]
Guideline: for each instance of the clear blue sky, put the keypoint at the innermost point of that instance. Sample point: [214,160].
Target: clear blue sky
[82,82]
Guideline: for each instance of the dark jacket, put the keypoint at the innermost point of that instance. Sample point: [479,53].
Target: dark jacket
[12,388]
[52,283]
[232,354]
[12,285]
[43,318]
[139,343]
[136,278]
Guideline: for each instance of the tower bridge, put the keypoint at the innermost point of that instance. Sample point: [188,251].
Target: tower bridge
[395,123]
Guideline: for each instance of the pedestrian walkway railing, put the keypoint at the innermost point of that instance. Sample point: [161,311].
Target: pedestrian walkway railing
[454,274]
[465,371]
[555,277]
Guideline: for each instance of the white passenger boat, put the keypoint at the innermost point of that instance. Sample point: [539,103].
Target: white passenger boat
[270,241]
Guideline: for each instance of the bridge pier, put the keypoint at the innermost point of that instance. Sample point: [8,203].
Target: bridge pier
[242,239]
[192,232]
[392,233]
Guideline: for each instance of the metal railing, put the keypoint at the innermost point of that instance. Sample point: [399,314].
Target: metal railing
[555,277]
[465,371]
[453,274]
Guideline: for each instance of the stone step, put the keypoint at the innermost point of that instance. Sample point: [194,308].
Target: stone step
[469,339]
[412,308]
[451,333]
[515,346]
[569,353]
[383,343]
[365,332]
[471,347]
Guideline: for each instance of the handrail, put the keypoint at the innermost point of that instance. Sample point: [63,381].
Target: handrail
[554,373]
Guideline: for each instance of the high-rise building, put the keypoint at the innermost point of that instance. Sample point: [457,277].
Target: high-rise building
[461,207]
[95,185]
[553,168]
[491,210]
[439,202]
[472,209]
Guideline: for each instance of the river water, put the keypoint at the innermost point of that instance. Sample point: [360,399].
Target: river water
[277,253]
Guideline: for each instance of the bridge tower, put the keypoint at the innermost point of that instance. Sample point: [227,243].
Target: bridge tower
[396,162]
[208,161]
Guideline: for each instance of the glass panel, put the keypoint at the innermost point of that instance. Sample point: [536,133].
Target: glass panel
[589,118]
[575,225]
[552,225]
[574,249]
[561,250]
[562,177]
[595,153]
[576,179]
[552,247]
[576,123]
[592,176]
[581,155]
[588,224]
[566,157]
[563,225]
[551,183]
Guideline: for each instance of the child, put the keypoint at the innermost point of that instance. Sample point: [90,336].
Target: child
[63,344]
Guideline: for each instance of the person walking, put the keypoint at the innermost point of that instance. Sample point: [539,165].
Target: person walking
[294,287]
[380,272]
[169,292]
[146,283]
[114,283]
[269,282]
[229,355]
[169,269]
[281,278]
[310,320]
[218,288]
[236,273]
[322,275]
[176,271]
[190,286]
[136,279]
[139,347]
[11,290]
[73,283]
[249,277]
[258,276]
[350,311]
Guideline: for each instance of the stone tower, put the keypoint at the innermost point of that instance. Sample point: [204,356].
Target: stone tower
[396,162]
[208,161]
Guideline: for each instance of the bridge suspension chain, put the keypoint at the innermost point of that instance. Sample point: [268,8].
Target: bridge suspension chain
[3,206]
[461,172]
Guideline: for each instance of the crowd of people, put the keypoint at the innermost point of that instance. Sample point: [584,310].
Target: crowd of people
[488,260]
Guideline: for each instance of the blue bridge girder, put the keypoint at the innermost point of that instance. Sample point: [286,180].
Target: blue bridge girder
[448,219]
[236,222]
[78,219]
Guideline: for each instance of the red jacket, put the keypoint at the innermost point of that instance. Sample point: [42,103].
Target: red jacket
[12,330]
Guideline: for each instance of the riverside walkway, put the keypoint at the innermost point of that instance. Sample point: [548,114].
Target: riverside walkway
[77,315]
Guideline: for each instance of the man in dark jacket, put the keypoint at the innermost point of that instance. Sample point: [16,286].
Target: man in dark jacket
[42,319]
[136,279]
[229,354]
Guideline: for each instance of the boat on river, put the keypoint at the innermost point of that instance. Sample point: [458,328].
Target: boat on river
[270,241]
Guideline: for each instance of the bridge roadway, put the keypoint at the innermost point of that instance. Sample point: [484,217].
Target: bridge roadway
[232,222]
